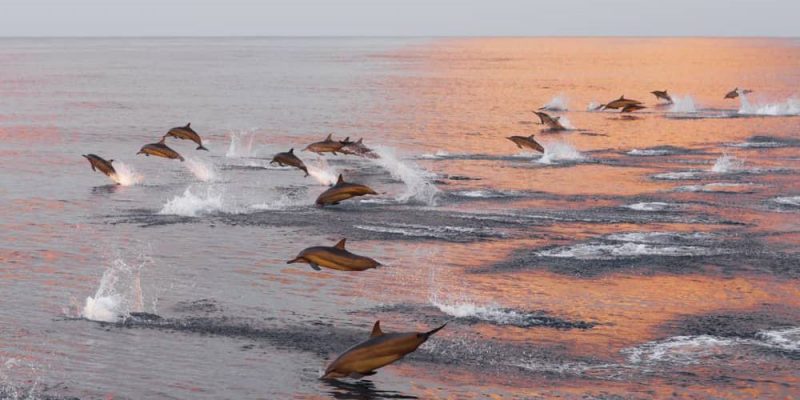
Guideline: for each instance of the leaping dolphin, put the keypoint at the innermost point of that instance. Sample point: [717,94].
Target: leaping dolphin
[336,257]
[288,158]
[632,107]
[342,191]
[159,149]
[99,163]
[736,92]
[620,103]
[526,141]
[552,123]
[326,146]
[380,350]
[357,148]
[662,95]
[187,133]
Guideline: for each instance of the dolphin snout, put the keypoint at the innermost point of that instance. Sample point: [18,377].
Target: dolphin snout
[295,260]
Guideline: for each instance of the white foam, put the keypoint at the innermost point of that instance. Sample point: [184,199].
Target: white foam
[494,314]
[683,104]
[190,204]
[727,163]
[482,193]
[790,106]
[678,176]
[559,151]
[438,154]
[783,339]
[558,103]
[119,294]
[678,349]
[201,169]
[126,175]
[282,202]
[241,144]
[566,123]
[418,230]
[593,106]
[659,237]
[418,182]
[322,172]
[649,152]
[653,206]
[788,201]
[612,251]
[717,187]
[757,144]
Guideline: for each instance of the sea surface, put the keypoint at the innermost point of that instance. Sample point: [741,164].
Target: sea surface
[646,255]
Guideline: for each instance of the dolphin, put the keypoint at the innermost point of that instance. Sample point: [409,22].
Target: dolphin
[526,141]
[99,163]
[159,149]
[336,257]
[342,191]
[736,92]
[357,148]
[662,95]
[380,350]
[552,122]
[186,133]
[620,102]
[326,146]
[288,158]
[632,107]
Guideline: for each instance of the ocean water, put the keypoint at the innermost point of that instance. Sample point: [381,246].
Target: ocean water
[640,256]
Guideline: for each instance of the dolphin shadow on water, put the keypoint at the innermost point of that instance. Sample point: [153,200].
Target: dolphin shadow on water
[106,189]
[361,390]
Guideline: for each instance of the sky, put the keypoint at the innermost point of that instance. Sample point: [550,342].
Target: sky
[399,18]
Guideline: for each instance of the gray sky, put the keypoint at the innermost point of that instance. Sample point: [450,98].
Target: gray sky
[399,18]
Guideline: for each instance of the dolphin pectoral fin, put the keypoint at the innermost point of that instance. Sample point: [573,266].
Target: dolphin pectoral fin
[315,267]
[518,145]
[201,147]
[93,168]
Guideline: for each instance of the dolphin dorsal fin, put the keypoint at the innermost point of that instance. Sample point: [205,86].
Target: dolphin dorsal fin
[530,137]
[110,161]
[329,136]
[188,125]
[340,180]
[340,245]
[162,139]
[360,140]
[376,330]
[622,97]
[291,151]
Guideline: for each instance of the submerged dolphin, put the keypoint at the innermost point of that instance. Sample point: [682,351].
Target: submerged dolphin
[357,148]
[342,191]
[736,92]
[526,141]
[187,133]
[99,163]
[159,149]
[288,158]
[662,95]
[620,103]
[380,350]
[552,123]
[632,107]
[326,146]
[336,257]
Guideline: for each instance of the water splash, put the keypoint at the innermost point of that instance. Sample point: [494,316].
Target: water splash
[727,163]
[684,104]
[126,175]
[566,123]
[593,106]
[190,204]
[558,103]
[418,182]
[241,144]
[119,293]
[322,172]
[789,107]
[201,170]
[559,151]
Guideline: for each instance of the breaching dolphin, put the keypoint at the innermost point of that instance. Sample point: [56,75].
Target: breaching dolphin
[380,350]
[620,103]
[326,146]
[736,92]
[288,158]
[342,191]
[552,123]
[357,148]
[526,141]
[159,149]
[632,107]
[187,133]
[99,163]
[662,95]
[336,257]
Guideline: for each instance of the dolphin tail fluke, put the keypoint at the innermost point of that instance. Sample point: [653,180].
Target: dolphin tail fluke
[431,332]
[180,158]
[201,147]
[304,169]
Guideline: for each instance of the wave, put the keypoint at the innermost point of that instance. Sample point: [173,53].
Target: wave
[558,103]
[472,312]
[683,104]
[119,293]
[191,205]
[438,154]
[649,152]
[678,176]
[555,152]
[727,163]
[201,170]
[717,187]
[661,237]
[793,201]
[653,206]
[125,175]
[640,244]
[426,231]
[418,182]
[241,144]
[483,194]
[788,107]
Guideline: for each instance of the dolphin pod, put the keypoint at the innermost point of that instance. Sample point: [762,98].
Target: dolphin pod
[526,142]
[288,158]
[159,149]
[328,145]
[632,107]
[620,103]
[186,133]
[357,148]
[99,163]
[552,123]
[380,350]
[342,191]
[736,92]
[662,95]
[336,257]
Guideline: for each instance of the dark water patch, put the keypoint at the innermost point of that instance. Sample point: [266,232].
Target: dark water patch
[661,151]
[361,390]
[766,142]
[202,306]
[746,324]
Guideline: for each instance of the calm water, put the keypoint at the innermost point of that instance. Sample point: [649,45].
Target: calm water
[641,256]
